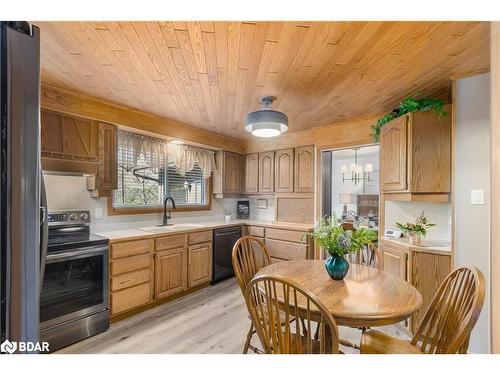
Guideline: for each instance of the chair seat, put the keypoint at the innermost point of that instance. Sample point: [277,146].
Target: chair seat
[376,342]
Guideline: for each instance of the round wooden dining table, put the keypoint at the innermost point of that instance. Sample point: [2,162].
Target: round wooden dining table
[367,297]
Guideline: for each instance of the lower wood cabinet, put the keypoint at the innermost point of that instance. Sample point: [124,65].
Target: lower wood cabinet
[170,272]
[199,264]
[424,269]
[131,275]
[146,270]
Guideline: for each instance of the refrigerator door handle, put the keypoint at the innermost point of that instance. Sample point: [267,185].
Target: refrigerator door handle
[44,228]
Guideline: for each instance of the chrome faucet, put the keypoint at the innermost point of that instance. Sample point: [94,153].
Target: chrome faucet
[169,215]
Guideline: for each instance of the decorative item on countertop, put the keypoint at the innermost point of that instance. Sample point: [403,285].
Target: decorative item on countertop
[243,209]
[417,230]
[227,215]
[406,106]
[338,242]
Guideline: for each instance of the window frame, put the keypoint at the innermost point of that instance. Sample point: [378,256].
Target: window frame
[151,210]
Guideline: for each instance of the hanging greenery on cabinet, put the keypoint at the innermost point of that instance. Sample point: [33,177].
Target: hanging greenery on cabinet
[406,106]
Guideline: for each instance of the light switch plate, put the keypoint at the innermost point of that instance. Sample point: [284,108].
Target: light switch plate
[98,213]
[477,197]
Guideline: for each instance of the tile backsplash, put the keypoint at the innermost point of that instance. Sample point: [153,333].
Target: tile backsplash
[70,193]
[439,214]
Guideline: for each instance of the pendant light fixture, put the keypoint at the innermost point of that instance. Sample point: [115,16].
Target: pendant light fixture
[266,122]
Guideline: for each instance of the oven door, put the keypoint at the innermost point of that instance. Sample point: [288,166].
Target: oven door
[75,285]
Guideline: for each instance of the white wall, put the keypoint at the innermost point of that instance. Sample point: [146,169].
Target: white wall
[404,212]
[472,171]
[70,193]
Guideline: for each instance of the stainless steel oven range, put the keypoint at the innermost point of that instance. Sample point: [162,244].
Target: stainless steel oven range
[74,298]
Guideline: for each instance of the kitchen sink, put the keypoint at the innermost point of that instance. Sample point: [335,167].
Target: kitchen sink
[171,228]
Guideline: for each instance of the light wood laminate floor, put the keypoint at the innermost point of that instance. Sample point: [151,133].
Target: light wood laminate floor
[211,320]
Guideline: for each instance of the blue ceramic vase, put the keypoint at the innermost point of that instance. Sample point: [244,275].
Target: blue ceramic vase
[336,267]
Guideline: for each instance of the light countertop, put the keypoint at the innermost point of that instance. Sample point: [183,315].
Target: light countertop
[122,234]
[425,245]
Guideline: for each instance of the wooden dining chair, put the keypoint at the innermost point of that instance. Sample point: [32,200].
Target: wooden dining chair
[447,324]
[249,256]
[289,319]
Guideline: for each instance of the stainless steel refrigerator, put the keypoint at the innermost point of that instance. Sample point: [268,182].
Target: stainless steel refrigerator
[22,203]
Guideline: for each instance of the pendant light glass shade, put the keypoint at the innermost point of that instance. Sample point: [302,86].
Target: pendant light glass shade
[266,122]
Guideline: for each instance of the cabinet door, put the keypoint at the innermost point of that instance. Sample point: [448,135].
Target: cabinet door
[252,173]
[393,155]
[395,262]
[284,171]
[232,167]
[266,172]
[65,137]
[107,172]
[304,169]
[199,264]
[170,272]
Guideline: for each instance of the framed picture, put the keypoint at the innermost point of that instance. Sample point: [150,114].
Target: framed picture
[261,203]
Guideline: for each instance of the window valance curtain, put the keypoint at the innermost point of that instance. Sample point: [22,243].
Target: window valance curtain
[158,152]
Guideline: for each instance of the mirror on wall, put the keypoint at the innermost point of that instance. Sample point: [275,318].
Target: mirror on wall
[350,184]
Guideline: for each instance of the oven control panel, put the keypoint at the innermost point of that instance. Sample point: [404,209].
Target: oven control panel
[69,217]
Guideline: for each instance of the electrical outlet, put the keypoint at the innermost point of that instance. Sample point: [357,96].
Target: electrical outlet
[98,213]
[477,197]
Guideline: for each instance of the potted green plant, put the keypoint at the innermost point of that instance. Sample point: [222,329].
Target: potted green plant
[415,231]
[408,105]
[338,242]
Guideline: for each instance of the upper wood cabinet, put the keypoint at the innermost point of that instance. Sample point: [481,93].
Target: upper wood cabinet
[283,168]
[252,173]
[266,172]
[107,170]
[232,173]
[415,157]
[68,143]
[304,169]
[393,148]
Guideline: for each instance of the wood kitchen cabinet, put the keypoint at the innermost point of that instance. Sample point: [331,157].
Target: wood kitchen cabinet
[283,180]
[131,275]
[69,143]
[266,172]
[395,261]
[107,170]
[251,173]
[199,264]
[170,272]
[423,267]
[232,173]
[415,157]
[304,169]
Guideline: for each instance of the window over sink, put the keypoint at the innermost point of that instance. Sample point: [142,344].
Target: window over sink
[150,169]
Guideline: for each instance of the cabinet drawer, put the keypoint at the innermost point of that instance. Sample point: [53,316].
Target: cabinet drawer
[130,298]
[285,235]
[256,231]
[129,279]
[125,249]
[130,264]
[286,250]
[199,237]
[170,242]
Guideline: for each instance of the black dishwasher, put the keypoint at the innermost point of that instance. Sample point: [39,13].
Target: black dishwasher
[224,240]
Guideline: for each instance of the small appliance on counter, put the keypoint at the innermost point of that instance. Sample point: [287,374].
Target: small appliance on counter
[243,209]
[74,301]
[393,233]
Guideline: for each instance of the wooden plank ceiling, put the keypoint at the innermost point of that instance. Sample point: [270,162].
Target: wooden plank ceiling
[210,74]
